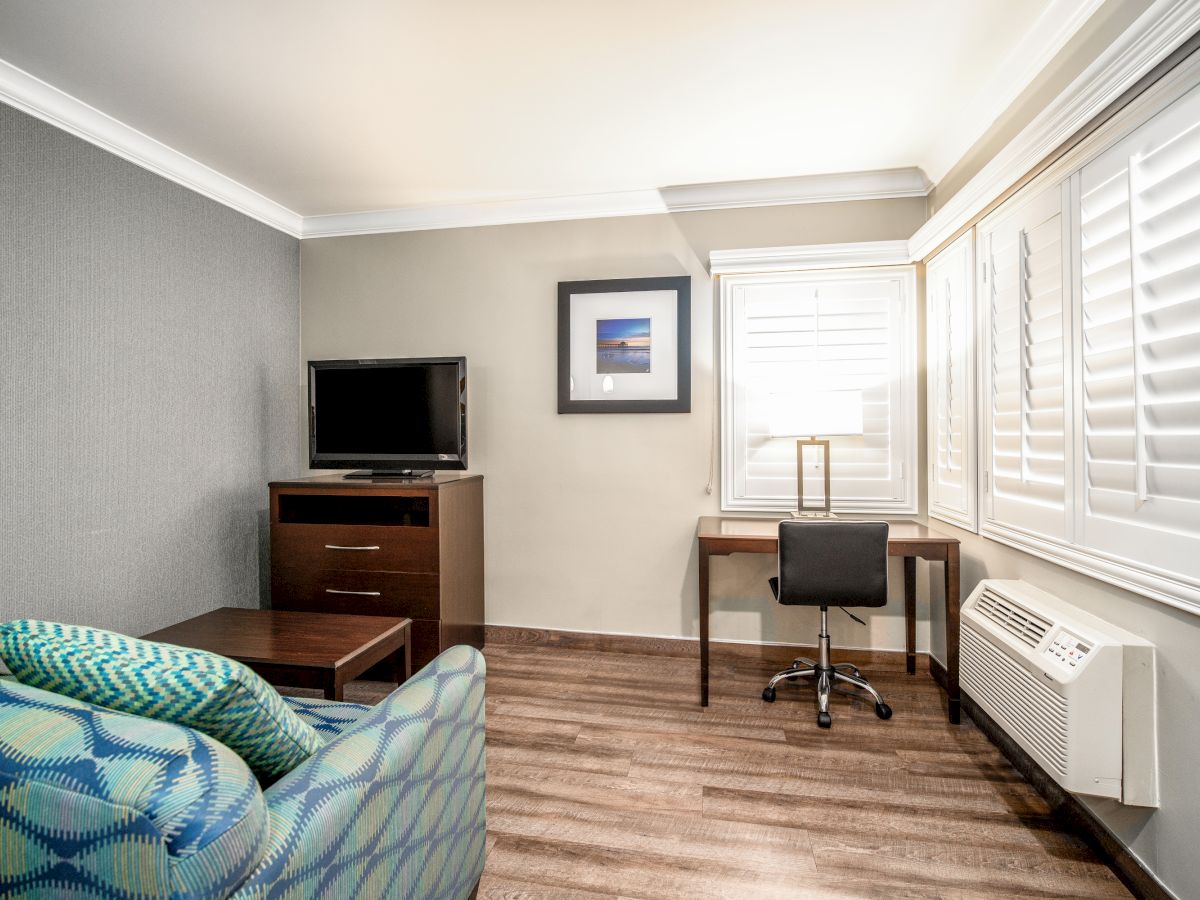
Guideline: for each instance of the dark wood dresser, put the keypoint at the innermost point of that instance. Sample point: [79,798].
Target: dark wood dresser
[384,547]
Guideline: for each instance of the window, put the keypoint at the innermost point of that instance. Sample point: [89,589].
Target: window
[1022,265]
[950,366]
[1089,299]
[1139,243]
[785,334]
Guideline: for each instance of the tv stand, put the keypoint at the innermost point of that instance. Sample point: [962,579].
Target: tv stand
[405,549]
[390,473]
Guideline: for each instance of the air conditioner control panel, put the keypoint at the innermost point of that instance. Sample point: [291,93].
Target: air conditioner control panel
[1067,650]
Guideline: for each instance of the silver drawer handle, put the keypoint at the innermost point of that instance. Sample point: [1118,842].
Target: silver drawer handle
[353,593]
[336,547]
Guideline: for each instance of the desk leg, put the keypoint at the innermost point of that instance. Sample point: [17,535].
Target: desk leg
[952,603]
[703,625]
[910,614]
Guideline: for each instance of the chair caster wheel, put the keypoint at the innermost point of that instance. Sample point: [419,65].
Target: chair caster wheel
[769,694]
[824,720]
[883,710]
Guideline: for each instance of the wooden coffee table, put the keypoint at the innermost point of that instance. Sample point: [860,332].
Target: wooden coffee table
[298,649]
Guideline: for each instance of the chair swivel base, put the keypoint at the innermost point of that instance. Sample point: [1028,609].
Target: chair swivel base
[824,719]
[827,675]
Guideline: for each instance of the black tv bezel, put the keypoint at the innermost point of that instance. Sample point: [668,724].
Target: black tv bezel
[317,460]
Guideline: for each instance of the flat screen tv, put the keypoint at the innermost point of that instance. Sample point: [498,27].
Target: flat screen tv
[401,417]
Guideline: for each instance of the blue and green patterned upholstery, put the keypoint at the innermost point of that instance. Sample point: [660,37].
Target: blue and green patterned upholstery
[96,803]
[329,718]
[394,807]
[201,690]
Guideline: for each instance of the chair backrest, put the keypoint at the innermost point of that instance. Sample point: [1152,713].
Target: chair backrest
[833,563]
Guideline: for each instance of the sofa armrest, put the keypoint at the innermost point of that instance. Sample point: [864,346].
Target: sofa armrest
[395,806]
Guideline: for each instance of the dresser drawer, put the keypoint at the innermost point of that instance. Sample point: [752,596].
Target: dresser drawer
[412,595]
[377,548]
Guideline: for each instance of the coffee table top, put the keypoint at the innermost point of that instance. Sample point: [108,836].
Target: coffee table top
[303,639]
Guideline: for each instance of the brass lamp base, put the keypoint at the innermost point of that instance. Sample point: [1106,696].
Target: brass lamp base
[813,512]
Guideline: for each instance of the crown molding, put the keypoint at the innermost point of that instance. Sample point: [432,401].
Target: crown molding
[31,95]
[497,212]
[1155,34]
[1054,27]
[835,187]
[680,198]
[809,256]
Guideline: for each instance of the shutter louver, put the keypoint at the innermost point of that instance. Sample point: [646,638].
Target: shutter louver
[1024,252]
[951,362]
[1140,260]
[829,331]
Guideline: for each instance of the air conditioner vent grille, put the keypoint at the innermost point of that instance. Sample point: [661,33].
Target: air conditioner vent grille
[1025,626]
[1028,708]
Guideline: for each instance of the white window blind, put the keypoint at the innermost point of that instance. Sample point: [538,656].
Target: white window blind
[1139,245]
[950,366]
[785,334]
[1023,263]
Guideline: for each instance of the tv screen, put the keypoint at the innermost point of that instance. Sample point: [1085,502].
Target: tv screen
[388,414]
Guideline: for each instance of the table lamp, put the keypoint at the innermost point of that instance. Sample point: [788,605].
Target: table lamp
[807,415]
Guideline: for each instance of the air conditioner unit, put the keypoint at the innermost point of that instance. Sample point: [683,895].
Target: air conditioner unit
[1075,692]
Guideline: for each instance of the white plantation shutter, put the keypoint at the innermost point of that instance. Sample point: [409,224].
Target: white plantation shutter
[1139,244]
[1023,266]
[788,333]
[950,350]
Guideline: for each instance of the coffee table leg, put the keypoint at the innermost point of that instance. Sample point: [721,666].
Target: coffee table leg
[401,665]
[402,659]
[333,687]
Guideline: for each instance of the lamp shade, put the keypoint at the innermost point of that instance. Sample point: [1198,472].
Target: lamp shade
[814,413]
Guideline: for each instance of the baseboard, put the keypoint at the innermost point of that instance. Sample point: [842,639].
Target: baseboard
[1127,867]
[509,635]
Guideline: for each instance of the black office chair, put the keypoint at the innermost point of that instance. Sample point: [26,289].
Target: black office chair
[830,563]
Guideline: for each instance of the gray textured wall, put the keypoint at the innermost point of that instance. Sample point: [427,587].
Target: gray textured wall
[149,345]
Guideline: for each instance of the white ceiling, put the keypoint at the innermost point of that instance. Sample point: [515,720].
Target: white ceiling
[330,108]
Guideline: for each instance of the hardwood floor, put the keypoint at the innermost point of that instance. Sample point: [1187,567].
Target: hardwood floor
[606,780]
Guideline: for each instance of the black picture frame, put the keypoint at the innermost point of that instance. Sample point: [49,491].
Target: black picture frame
[682,286]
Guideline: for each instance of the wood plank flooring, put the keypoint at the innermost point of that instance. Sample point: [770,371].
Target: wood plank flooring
[606,781]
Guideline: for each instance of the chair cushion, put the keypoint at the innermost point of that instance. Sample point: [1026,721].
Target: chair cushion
[101,804]
[329,718]
[201,690]
[832,563]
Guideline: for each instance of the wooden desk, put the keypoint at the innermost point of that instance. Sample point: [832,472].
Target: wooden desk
[725,535]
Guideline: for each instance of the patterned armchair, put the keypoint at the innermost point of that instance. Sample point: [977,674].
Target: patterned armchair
[102,804]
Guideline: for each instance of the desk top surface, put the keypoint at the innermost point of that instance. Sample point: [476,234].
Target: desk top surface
[739,528]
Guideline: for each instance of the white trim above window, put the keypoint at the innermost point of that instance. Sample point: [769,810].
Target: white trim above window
[785,333]
[808,257]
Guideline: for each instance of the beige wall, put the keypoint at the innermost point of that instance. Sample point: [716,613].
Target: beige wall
[590,518]
[1101,30]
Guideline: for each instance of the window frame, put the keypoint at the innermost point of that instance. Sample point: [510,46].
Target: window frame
[1174,589]
[904,445]
[961,252]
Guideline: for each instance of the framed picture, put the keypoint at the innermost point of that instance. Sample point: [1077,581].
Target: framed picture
[624,345]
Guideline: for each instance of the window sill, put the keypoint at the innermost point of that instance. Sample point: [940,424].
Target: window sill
[1153,583]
